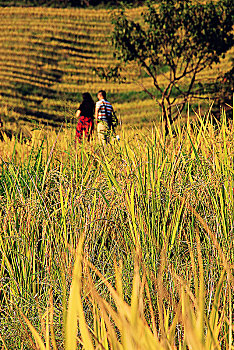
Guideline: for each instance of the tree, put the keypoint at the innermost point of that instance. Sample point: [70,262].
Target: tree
[184,36]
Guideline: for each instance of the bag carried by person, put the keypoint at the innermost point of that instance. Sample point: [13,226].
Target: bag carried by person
[112,118]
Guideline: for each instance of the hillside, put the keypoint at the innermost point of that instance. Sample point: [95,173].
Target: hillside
[47,61]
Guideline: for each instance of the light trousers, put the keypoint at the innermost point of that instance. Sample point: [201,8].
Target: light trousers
[103,132]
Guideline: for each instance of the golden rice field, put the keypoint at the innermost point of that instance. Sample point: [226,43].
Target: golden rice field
[128,247]
[47,57]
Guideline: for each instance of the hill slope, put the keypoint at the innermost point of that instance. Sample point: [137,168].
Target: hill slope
[47,57]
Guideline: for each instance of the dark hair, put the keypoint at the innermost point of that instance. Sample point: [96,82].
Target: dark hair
[87,97]
[87,106]
[103,92]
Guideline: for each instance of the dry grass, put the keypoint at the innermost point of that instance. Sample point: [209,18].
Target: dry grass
[130,247]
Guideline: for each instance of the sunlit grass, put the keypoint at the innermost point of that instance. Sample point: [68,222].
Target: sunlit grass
[127,247]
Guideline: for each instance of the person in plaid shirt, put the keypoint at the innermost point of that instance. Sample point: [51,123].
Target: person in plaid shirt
[103,113]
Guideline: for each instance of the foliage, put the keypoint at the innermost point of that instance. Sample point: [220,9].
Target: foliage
[185,36]
[109,74]
[133,244]
[225,87]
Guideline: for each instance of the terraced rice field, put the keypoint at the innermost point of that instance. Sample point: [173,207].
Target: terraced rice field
[47,57]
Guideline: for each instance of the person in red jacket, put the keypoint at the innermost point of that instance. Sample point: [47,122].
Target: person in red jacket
[85,116]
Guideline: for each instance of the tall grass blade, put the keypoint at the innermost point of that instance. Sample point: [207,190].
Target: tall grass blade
[75,309]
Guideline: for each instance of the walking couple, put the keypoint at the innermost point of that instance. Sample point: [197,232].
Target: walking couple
[88,112]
